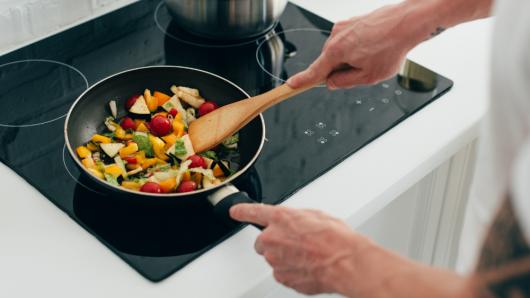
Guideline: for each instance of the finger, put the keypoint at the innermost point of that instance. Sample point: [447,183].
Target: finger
[252,213]
[346,78]
[315,73]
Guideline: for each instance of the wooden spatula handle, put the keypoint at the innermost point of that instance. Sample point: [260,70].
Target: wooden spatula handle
[276,95]
[212,128]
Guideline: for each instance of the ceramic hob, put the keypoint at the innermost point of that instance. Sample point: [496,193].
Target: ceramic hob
[306,135]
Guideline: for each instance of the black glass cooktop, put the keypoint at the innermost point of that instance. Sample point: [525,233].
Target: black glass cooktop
[306,135]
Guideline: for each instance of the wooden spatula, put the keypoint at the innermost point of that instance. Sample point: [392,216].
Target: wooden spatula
[212,128]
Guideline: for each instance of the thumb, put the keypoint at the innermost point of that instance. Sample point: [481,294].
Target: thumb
[315,73]
[252,213]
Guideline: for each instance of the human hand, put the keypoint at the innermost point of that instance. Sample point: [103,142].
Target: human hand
[307,249]
[362,50]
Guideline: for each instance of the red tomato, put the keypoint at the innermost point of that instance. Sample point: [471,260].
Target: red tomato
[207,107]
[128,123]
[197,161]
[151,187]
[160,126]
[130,102]
[173,112]
[130,159]
[187,186]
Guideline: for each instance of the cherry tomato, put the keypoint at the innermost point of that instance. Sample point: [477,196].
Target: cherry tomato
[130,159]
[151,187]
[128,123]
[187,186]
[173,112]
[207,107]
[160,126]
[197,161]
[130,102]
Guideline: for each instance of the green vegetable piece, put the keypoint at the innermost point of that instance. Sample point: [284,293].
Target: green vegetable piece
[144,144]
[111,179]
[180,148]
[100,165]
[210,154]
[231,140]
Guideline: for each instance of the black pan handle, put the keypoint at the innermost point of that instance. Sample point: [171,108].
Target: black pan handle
[223,199]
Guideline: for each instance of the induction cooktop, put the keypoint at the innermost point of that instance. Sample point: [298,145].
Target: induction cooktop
[306,136]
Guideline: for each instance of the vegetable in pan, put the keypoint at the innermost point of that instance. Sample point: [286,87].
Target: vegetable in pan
[149,150]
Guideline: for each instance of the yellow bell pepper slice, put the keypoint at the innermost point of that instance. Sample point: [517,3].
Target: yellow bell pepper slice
[168,185]
[149,162]
[131,185]
[152,102]
[92,147]
[114,170]
[88,163]
[142,128]
[178,128]
[217,171]
[161,97]
[158,147]
[96,173]
[83,152]
[130,149]
[170,140]
[186,176]
[101,139]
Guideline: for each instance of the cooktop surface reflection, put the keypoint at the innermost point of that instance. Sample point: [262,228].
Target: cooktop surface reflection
[306,136]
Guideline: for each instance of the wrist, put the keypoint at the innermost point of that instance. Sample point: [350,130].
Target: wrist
[427,18]
[346,275]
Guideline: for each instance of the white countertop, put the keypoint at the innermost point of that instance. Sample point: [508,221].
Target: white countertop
[43,253]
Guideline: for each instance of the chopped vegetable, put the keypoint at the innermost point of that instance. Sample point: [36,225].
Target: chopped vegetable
[111,179]
[113,108]
[142,140]
[206,108]
[111,149]
[152,102]
[161,97]
[130,149]
[151,187]
[149,150]
[131,101]
[231,142]
[140,107]
[101,139]
[160,126]
[187,186]
[210,154]
[83,152]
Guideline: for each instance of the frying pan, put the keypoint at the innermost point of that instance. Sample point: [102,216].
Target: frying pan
[87,115]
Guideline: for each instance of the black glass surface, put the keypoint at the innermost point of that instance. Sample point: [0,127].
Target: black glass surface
[306,135]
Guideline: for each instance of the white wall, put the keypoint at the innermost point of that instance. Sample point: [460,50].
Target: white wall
[25,21]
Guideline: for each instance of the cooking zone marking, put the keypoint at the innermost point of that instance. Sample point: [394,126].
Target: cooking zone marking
[276,35]
[69,67]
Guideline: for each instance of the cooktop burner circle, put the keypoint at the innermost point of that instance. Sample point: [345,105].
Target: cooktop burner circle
[290,46]
[171,29]
[74,168]
[59,84]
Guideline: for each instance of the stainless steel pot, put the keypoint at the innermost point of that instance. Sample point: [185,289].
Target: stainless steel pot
[226,19]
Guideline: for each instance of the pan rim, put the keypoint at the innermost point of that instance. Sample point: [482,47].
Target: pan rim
[169,195]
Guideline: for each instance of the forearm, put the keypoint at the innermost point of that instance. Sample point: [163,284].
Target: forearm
[426,18]
[372,271]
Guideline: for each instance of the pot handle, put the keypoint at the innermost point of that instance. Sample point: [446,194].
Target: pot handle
[226,197]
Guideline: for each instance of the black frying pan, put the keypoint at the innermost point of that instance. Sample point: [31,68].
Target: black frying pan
[87,114]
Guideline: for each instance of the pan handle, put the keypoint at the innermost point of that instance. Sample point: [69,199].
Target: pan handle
[226,197]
